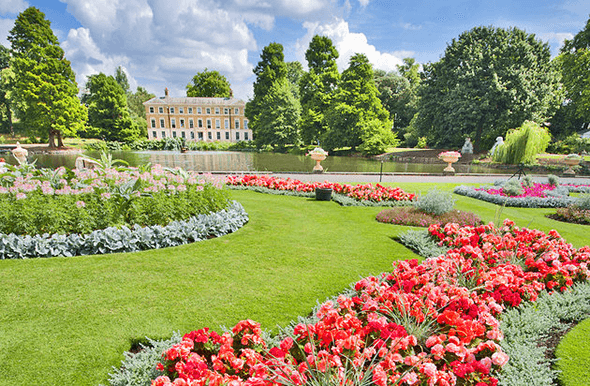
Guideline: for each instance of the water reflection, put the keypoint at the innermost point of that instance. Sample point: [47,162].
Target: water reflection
[227,161]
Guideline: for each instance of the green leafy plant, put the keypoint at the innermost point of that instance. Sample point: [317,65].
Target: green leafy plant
[553,180]
[523,144]
[513,187]
[436,202]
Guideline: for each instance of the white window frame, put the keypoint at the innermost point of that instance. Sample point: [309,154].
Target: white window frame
[153,122]
[218,123]
[160,110]
[162,123]
[173,123]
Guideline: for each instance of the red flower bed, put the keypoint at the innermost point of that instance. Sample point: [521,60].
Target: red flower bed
[433,323]
[368,192]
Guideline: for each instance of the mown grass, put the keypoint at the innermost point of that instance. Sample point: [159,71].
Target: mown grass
[66,321]
[573,356]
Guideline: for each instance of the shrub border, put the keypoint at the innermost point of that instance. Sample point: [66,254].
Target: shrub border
[521,202]
[125,239]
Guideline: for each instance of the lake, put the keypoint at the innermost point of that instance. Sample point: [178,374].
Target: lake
[230,161]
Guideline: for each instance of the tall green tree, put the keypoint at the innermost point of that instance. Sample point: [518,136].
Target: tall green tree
[356,118]
[278,127]
[397,96]
[294,74]
[273,111]
[6,77]
[45,86]
[574,62]
[488,81]
[317,87]
[137,109]
[121,78]
[107,109]
[209,84]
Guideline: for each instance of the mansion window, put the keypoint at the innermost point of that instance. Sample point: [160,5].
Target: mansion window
[182,123]
[160,110]
[217,124]
[190,110]
[173,123]
[153,122]
[154,134]
[217,110]
[163,134]
[200,122]
[237,136]
[181,110]
[200,135]
[227,135]
[208,110]
[191,123]
[171,110]
[236,111]
[209,123]
[174,134]
[162,123]
[199,111]
[192,135]
[237,124]
[218,135]
[209,135]
[245,136]
[227,123]
[151,109]
[182,134]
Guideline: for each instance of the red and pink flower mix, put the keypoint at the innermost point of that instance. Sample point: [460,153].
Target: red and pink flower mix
[368,192]
[433,323]
[536,190]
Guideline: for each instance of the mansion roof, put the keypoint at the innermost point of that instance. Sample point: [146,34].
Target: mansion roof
[194,101]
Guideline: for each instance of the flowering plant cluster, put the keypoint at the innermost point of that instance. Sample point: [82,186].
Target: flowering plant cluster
[454,154]
[318,150]
[366,192]
[433,323]
[415,217]
[535,190]
[78,201]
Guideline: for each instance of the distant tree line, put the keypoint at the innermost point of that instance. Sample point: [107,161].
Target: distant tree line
[39,93]
[488,81]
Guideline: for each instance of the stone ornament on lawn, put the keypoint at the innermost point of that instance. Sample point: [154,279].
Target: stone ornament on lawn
[449,157]
[499,142]
[318,155]
[571,160]
[467,147]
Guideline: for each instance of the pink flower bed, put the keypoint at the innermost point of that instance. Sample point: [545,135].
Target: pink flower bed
[434,323]
[368,192]
[537,190]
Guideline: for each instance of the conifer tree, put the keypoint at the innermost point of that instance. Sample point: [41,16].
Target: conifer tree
[45,88]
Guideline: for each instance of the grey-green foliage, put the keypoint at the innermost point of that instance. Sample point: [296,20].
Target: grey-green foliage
[583,202]
[521,202]
[111,240]
[513,187]
[553,180]
[559,191]
[524,327]
[436,202]
[421,242]
[138,369]
[528,181]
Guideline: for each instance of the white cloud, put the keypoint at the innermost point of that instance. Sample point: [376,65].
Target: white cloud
[556,39]
[410,26]
[5,27]
[12,6]
[162,45]
[364,3]
[349,43]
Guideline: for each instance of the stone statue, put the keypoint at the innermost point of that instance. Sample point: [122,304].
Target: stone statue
[467,147]
[499,142]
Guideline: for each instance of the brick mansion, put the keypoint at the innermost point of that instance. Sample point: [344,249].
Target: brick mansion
[197,119]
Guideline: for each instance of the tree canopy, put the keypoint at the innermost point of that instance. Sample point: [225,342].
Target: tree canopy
[45,88]
[356,117]
[107,109]
[209,84]
[317,87]
[488,81]
[575,69]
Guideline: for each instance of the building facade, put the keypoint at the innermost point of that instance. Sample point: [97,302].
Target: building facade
[197,119]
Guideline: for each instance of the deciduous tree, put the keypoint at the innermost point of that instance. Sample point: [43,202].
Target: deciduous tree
[45,87]
[488,81]
[107,109]
[209,84]
[574,62]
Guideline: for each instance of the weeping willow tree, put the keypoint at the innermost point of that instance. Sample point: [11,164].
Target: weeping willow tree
[523,144]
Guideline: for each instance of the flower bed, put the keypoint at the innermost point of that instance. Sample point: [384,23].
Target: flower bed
[434,323]
[116,240]
[367,192]
[80,201]
[416,217]
[532,198]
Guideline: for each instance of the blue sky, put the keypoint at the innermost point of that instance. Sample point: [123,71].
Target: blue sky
[163,43]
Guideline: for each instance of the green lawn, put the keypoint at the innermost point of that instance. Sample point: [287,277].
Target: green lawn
[66,321]
[574,356]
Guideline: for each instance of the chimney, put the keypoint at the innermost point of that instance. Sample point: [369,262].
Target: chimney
[166,91]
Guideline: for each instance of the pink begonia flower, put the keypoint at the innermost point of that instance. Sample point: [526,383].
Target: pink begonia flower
[21,196]
[499,358]
[80,204]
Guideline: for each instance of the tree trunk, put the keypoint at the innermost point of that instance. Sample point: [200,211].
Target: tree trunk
[51,139]
[10,125]
[477,140]
[60,143]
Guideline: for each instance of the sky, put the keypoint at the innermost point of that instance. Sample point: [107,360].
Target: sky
[164,43]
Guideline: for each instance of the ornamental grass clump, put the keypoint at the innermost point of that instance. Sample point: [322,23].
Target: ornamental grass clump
[512,187]
[553,180]
[435,202]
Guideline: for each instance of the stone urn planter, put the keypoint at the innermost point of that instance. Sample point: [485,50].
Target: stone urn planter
[318,155]
[323,194]
[571,161]
[450,157]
